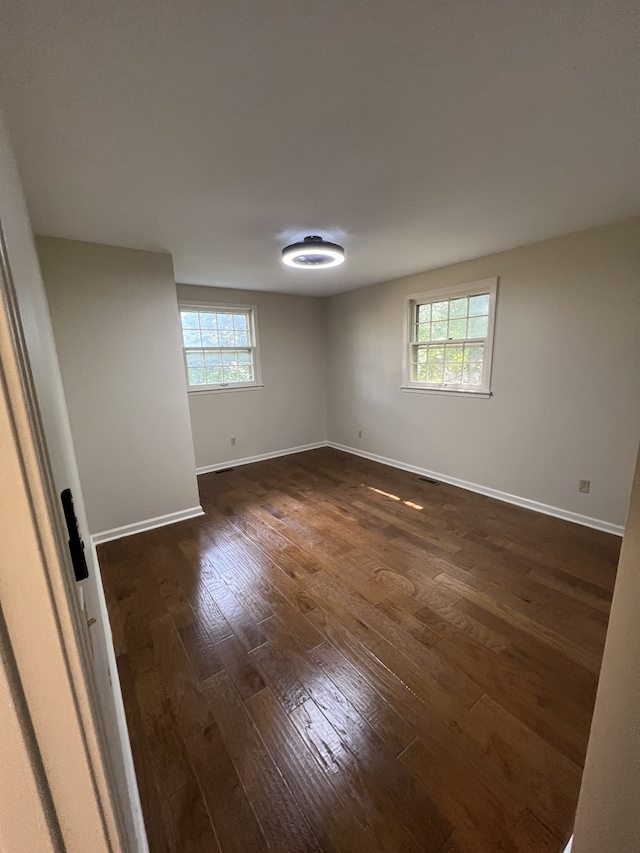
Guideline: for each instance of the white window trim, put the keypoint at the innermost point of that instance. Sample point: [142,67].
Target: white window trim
[472,288]
[255,347]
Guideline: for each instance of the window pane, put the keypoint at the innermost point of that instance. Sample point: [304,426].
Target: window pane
[217,346]
[478,327]
[207,320]
[189,319]
[473,352]
[448,345]
[230,373]
[419,372]
[453,373]
[440,310]
[439,331]
[424,313]
[453,354]
[458,329]
[191,337]
[472,374]
[458,308]
[214,375]
[434,372]
[479,305]
[210,338]
[195,359]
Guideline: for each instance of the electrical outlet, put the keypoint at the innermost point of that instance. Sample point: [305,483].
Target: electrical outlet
[233,442]
[359,433]
[584,486]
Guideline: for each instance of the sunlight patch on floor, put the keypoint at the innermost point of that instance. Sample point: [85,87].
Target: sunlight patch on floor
[394,498]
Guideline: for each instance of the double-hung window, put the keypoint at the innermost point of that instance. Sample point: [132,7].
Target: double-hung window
[449,339]
[220,344]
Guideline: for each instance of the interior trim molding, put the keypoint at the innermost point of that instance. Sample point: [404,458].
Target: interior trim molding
[261,457]
[569,846]
[147,524]
[544,509]
[194,512]
[141,841]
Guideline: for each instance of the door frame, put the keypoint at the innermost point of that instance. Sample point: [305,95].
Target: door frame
[55,734]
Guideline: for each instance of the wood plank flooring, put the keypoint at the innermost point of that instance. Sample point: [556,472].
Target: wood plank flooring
[341,657]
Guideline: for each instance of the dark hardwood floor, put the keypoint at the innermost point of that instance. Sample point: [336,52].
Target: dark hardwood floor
[340,657]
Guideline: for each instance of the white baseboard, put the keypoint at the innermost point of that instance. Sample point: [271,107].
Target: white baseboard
[193,512]
[544,509]
[147,524]
[234,463]
[567,849]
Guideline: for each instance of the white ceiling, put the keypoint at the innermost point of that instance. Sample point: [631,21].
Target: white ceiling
[416,133]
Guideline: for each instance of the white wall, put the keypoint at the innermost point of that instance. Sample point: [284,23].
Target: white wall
[565,375]
[608,817]
[117,336]
[46,374]
[291,409]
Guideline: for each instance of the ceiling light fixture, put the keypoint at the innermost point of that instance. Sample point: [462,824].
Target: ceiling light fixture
[313,253]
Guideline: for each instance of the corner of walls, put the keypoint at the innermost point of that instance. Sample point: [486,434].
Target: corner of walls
[289,412]
[117,336]
[558,414]
[325,337]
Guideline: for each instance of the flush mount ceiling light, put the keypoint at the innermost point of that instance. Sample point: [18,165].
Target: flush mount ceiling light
[313,253]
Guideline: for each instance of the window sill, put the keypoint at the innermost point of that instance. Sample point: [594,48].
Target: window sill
[196,393]
[448,392]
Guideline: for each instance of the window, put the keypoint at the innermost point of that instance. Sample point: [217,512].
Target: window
[449,340]
[220,347]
